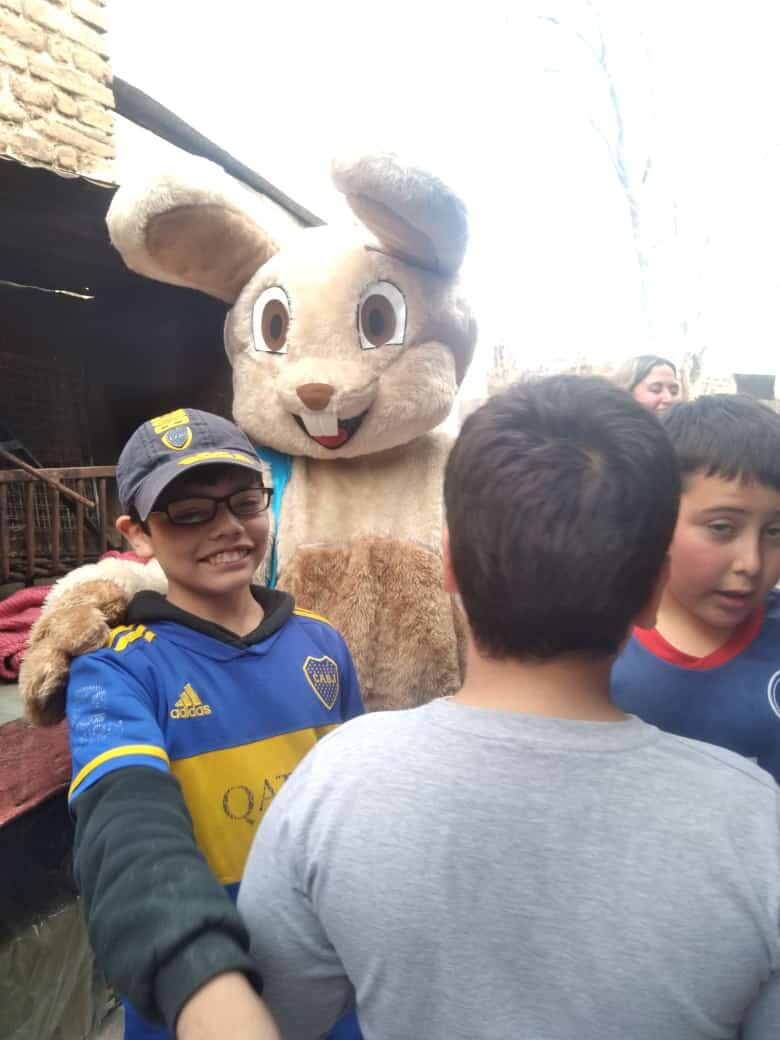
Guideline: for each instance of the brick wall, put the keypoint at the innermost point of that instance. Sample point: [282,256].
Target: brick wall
[56,102]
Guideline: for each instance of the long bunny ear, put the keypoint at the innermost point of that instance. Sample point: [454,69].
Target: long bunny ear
[195,227]
[413,214]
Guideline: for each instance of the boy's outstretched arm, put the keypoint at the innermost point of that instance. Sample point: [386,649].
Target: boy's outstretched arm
[226,1007]
[160,923]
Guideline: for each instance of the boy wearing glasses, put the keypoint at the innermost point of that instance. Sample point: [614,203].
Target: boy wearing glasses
[186,725]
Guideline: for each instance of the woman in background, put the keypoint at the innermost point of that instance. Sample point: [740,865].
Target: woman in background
[651,380]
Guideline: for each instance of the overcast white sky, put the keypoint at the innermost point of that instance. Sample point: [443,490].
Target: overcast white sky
[533,110]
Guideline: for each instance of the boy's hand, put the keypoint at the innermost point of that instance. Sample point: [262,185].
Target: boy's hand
[80,621]
[227,1006]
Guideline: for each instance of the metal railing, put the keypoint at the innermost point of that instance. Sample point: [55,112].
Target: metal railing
[45,533]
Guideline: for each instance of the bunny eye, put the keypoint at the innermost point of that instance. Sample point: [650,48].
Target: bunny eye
[381,316]
[270,321]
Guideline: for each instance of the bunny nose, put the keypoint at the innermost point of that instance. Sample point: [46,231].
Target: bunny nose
[315,395]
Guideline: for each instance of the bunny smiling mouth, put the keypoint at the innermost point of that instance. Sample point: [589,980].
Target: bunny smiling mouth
[345,428]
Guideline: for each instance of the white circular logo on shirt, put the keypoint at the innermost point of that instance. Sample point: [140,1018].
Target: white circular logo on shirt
[773,692]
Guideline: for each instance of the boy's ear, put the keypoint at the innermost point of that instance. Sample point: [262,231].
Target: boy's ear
[449,581]
[135,536]
[646,618]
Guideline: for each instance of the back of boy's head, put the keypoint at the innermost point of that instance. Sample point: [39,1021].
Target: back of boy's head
[561,498]
[726,435]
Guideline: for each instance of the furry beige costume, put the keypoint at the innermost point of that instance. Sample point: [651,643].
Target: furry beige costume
[347,349]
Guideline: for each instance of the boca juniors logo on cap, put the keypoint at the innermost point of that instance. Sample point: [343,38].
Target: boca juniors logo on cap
[178,439]
[773,692]
[322,674]
[172,429]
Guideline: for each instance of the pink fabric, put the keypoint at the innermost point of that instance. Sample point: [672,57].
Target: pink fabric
[20,611]
[17,616]
[114,554]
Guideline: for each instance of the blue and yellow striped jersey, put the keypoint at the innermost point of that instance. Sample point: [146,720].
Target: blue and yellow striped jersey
[229,718]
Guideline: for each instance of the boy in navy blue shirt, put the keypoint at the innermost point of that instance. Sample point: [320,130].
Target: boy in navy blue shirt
[186,725]
[710,669]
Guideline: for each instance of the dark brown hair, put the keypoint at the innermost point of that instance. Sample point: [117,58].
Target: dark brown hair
[726,435]
[561,499]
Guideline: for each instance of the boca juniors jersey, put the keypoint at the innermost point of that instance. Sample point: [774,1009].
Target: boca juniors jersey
[730,698]
[229,717]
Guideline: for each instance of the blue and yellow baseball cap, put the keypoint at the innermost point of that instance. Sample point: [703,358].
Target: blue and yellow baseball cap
[179,442]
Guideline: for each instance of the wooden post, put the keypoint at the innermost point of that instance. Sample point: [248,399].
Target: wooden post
[40,474]
[54,499]
[103,507]
[29,532]
[80,524]
[5,535]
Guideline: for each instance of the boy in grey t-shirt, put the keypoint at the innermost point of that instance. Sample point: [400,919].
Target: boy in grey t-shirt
[523,861]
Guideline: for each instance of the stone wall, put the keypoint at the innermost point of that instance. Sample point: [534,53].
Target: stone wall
[56,102]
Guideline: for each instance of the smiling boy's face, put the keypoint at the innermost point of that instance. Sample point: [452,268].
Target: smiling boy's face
[208,560]
[725,555]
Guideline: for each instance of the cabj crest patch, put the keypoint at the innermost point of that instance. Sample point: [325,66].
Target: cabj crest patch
[179,438]
[773,692]
[322,674]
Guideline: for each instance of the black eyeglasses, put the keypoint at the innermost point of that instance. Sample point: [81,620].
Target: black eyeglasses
[242,504]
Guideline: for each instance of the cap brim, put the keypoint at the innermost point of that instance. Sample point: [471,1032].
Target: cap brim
[153,486]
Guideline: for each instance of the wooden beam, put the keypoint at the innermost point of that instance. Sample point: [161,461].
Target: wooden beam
[144,111]
[41,474]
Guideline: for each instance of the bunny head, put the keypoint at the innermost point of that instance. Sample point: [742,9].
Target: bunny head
[343,342]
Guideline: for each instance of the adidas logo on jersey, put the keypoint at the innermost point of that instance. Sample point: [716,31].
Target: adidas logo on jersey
[189,705]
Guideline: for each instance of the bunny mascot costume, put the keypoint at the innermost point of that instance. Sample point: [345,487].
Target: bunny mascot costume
[347,347]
